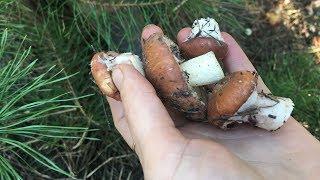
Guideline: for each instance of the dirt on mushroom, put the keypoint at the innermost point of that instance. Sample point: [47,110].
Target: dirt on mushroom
[163,71]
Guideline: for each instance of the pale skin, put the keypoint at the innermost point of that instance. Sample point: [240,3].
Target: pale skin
[170,147]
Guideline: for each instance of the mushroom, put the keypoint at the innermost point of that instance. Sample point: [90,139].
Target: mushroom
[205,37]
[177,80]
[102,65]
[236,100]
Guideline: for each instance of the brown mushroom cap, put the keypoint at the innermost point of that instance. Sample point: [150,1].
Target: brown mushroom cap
[230,94]
[202,45]
[102,75]
[161,58]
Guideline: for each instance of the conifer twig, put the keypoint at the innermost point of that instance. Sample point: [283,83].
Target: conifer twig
[123,5]
[107,161]
[179,5]
[76,101]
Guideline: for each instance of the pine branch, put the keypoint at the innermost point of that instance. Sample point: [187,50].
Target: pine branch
[107,161]
[123,5]
[179,5]
[22,101]
[76,101]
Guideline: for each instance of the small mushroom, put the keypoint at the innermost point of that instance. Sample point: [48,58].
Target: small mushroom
[235,100]
[102,65]
[205,37]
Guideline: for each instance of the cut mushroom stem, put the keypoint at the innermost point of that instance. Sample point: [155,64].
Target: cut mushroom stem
[265,111]
[202,70]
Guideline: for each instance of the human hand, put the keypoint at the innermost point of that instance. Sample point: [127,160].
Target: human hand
[169,147]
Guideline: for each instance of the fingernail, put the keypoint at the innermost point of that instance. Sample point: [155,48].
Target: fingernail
[117,77]
[150,30]
[184,34]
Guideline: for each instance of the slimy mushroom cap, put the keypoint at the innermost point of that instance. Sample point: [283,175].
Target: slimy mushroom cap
[102,75]
[230,94]
[201,45]
[162,69]
[204,37]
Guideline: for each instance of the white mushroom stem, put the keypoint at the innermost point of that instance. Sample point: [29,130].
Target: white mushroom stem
[202,70]
[265,111]
[125,58]
[206,27]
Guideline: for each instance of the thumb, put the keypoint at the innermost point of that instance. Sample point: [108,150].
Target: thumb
[148,119]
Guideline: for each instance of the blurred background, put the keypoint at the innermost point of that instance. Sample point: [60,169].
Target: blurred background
[54,121]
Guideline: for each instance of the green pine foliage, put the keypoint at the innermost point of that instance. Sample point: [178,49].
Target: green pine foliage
[25,100]
[43,102]
[30,103]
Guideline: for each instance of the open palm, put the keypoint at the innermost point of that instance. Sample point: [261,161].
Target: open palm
[170,147]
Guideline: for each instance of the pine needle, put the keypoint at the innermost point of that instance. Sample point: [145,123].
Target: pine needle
[122,4]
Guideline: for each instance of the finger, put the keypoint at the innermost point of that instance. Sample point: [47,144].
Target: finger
[183,35]
[149,122]
[237,60]
[120,121]
[149,30]
[176,116]
[104,81]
